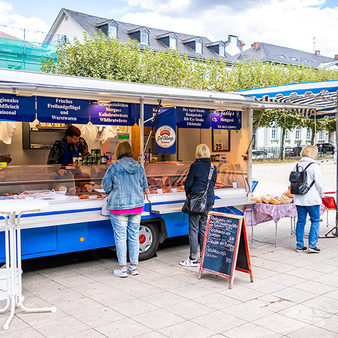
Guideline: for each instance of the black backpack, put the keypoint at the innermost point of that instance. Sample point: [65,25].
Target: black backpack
[298,180]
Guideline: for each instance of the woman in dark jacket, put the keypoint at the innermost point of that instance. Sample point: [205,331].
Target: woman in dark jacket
[196,182]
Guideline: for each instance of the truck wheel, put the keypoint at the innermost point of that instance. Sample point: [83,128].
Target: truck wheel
[149,240]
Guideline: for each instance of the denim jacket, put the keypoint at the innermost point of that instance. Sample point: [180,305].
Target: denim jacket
[125,181]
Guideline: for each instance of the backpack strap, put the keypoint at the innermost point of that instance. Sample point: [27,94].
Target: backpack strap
[313,182]
[211,171]
[308,165]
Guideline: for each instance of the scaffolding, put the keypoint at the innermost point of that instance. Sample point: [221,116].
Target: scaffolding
[24,55]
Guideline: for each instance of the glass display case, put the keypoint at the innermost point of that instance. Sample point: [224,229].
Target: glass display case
[84,182]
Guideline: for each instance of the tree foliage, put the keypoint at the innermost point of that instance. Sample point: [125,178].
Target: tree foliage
[107,58]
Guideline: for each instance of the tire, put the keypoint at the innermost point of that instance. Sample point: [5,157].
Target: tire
[149,240]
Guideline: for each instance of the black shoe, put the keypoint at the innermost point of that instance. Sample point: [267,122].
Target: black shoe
[314,250]
[301,249]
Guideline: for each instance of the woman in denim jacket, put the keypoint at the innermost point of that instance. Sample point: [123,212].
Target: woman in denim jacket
[125,181]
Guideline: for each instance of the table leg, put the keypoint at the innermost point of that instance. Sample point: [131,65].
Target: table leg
[19,267]
[12,267]
[6,264]
[276,226]
[252,236]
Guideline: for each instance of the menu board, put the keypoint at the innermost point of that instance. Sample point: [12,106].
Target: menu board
[225,246]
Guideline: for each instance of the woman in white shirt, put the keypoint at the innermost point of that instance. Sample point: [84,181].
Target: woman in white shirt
[310,202]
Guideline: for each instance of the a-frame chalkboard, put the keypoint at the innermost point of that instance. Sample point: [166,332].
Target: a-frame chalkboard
[226,246]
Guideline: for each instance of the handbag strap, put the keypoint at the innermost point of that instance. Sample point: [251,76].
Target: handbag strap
[211,171]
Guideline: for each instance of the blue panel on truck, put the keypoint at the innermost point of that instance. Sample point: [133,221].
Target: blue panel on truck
[177,224]
[33,241]
[84,236]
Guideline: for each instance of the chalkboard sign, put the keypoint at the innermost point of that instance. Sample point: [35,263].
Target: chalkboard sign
[225,246]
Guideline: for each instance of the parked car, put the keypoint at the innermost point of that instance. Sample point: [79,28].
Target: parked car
[288,151]
[325,148]
[293,151]
[259,154]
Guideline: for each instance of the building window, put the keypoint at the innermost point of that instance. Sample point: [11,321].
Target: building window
[64,39]
[308,134]
[274,134]
[221,50]
[112,31]
[144,38]
[198,47]
[321,135]
[172,43]
[298,134]
[287,134]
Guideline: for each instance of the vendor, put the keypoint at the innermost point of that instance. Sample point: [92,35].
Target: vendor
[71,145]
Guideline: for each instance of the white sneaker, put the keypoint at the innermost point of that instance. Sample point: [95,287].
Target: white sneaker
[189,262]
[120,273]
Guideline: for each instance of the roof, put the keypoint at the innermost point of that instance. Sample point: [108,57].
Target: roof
[30,83]
[266,52]
[7,36]
[320,93]
[90,22]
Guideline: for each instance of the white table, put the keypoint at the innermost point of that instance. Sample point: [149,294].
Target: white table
[11,275]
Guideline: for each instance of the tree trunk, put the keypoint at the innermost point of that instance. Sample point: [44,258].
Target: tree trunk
[313,135]
[281,155]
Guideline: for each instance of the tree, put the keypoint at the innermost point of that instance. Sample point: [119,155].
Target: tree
[285,119]
[106,57]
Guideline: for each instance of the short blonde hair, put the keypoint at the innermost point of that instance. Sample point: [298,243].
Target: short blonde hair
[309,151]
[123,149]
[202,151]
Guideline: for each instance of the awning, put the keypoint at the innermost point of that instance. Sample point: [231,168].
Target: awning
[322,94]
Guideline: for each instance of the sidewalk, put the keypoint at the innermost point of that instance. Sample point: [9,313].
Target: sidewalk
[293,295]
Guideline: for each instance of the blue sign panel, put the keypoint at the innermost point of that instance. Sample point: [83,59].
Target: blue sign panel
[226,119]
[165,132]
[150,111]
[61,110]
[113,113]
[17,108]
[193,117]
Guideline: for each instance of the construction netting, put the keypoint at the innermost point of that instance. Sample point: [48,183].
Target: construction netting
[24,55]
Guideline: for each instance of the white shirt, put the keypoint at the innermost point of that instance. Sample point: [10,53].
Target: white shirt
[316,192]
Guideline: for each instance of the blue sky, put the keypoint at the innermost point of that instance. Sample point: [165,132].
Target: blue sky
[300,24]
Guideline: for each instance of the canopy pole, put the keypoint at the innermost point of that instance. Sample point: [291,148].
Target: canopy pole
[336,229]
[142,129]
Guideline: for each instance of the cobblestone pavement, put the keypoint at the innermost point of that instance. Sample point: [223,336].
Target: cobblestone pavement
[293,294]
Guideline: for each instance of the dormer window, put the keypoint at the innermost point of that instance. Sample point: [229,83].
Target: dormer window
[109,28]
[112,31]
[198,47]
[196,44]
[221,50]
[168,39]
[141,34]
[217,47]
[173,43]
[144,38]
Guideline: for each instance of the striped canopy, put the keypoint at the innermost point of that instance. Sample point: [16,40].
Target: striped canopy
[320,93]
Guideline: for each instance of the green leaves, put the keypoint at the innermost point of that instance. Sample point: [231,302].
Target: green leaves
[107,58]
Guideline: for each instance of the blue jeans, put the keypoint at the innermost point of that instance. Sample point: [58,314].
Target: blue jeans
[124,225]
[314,213]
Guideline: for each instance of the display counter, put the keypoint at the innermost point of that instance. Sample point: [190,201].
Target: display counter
[73,221]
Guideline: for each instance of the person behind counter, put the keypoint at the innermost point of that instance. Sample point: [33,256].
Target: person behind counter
[195,183]
[125,181]
[71,145]
[310,202]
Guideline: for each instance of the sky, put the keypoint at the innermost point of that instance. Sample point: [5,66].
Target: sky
[302,24]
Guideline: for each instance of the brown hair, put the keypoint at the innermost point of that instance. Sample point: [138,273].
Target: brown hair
[73,131]
[123,149]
